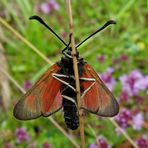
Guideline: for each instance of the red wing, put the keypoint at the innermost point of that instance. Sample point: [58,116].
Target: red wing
[44,98]
[98,99]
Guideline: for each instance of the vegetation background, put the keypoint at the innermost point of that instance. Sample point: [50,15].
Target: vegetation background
[119,54]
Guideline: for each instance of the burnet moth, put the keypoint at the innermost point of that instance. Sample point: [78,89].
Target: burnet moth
[56,89]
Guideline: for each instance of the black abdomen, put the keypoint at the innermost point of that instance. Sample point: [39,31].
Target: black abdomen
[69,107]
[70,114]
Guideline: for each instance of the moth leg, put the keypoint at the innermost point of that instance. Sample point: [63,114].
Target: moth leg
[89,80]
[70,99]
[63,76]
[59,76]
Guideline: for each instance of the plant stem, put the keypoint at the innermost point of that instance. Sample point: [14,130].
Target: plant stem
[124,133]
[76,72]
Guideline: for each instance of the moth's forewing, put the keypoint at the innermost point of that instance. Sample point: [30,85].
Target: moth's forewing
[98,99]
[44,98]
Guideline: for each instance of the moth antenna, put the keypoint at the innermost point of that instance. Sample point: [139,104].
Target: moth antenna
[103,27]
[39,19]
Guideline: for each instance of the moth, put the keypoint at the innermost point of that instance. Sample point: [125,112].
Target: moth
[56,89]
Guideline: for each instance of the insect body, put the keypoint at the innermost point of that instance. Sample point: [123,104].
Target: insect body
[69,92]
[56,89]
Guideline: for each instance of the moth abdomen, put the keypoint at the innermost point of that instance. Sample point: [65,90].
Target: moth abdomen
[70,114]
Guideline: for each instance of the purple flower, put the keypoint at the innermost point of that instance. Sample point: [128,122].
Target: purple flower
[132,84]
[138,120]
[27,85]
[124,96]
[7,145]
[108,79]
[123,57]
[101,58]
[123,118]
[93,146]
[139,99]
[48,6]
[129,82]
[21,135]
[142,142]
[101,142]
[142,84]
[46,145]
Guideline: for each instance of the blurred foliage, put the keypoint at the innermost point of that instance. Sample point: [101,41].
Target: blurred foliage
[128,37]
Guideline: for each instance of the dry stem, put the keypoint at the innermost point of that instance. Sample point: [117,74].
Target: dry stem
[4,83]
[76,73]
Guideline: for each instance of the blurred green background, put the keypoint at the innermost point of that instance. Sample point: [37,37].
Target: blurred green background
[119,54]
